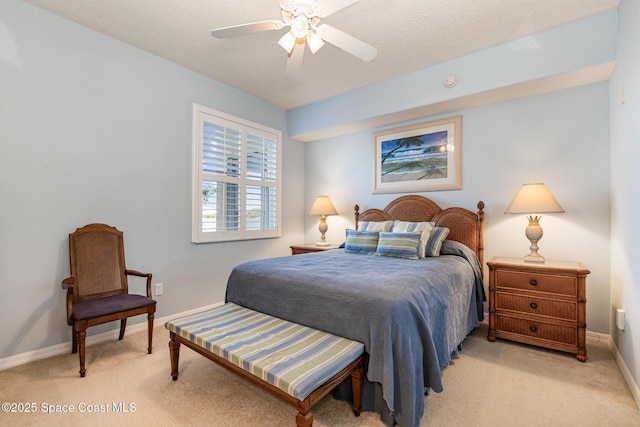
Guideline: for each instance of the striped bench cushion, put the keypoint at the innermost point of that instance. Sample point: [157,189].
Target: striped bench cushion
[296,359]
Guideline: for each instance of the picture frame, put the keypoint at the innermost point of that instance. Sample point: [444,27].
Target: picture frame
[418,158]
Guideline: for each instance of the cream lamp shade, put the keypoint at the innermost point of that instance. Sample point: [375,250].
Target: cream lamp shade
[534,199]
[323,207]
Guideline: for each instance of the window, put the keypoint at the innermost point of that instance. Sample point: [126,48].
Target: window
[236,178]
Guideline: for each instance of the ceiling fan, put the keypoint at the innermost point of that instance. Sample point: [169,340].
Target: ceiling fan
[302,17]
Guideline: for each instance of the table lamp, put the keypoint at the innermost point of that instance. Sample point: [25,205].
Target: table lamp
[534,199]
[323,207]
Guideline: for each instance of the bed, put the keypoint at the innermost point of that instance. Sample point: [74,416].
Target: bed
[411,314]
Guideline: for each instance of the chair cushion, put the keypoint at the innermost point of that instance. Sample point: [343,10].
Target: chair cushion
[99,307]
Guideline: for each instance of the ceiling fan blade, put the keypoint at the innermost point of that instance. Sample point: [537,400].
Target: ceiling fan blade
[253,27]
[346,42]
[329,7]
[294,63]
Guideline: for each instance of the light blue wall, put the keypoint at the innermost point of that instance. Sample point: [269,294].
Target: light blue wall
[560,138]
[94,130]
[625,176]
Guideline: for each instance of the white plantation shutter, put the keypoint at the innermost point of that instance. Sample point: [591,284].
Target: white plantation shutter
[261,180]
[221,149]
[236,178]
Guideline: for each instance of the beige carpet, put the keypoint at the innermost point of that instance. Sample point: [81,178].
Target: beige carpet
[490,384]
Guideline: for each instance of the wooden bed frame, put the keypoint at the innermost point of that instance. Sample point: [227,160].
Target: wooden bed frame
[466,227]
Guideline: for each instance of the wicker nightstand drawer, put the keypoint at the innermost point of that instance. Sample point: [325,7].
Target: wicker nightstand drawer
[542,304]
[563,285]
[546,331]
[531,304]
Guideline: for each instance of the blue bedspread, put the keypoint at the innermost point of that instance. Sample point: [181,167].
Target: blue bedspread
[411,315]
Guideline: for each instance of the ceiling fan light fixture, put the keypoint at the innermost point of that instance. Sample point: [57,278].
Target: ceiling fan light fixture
[314,41]
[288,41]
[302,19]
[300,27]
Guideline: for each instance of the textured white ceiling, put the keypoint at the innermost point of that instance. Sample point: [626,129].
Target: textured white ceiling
[409,35]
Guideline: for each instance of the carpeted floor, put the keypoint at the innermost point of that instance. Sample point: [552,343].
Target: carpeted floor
[490,384]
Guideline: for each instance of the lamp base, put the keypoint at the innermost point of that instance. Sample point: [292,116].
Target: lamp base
[534,233]
[323,244]
[534,258]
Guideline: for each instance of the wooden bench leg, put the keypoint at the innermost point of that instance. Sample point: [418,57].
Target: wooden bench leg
[304,420]
[357,380]
[174,353]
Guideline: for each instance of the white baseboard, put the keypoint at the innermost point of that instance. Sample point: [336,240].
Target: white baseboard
[633,387]
[65,348]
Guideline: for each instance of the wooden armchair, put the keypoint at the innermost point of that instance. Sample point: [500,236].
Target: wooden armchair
[98,291]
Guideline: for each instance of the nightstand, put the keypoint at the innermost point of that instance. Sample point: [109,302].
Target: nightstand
[542,304]
[309,247]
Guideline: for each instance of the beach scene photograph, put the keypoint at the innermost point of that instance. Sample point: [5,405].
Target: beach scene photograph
[415,158]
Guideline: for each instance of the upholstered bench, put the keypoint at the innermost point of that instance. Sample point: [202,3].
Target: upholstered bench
[295,363]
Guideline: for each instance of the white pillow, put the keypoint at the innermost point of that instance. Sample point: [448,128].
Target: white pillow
[375,226]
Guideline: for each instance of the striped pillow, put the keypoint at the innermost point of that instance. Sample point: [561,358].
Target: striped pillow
[413,227]
[438,234]
[375,226]
[399,245]
[361,242]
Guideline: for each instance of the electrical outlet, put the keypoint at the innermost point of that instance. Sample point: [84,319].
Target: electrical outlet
[159,288]
[620,318]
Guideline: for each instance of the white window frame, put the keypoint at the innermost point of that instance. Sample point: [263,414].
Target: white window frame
[201,115]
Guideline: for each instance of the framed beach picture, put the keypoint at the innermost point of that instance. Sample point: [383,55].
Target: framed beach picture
[419,157]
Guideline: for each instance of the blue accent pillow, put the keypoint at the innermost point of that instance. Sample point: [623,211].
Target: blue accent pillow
[438,235]
[399,245]
[361,242]
[413,227]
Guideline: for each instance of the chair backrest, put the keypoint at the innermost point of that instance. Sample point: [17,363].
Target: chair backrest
[97,262]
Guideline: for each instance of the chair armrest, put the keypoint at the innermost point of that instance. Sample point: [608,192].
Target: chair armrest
[139,274]
[68,285]
[136,273]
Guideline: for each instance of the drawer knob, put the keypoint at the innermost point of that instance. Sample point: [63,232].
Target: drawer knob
[532,328]
[533,282]
[533,305]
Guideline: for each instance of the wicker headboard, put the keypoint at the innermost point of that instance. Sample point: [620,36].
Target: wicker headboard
[466,227]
